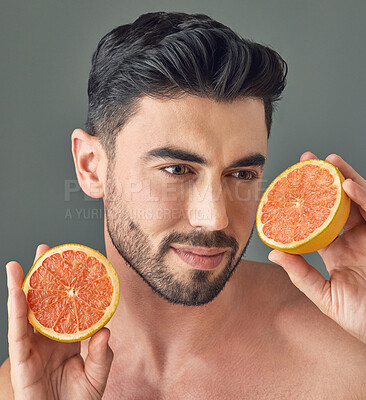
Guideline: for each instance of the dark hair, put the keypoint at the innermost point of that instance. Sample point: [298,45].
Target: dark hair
[169,54]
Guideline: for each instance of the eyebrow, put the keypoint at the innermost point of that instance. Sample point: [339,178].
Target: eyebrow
[172,153]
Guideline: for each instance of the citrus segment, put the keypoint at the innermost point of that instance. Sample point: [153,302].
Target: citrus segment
[72,292]
[304,208]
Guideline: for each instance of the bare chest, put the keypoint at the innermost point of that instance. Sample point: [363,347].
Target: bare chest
[278,376]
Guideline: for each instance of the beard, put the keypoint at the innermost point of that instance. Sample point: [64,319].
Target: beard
[134,246]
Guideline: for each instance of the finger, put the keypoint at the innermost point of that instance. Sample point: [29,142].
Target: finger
[346,170]
[19,329]
[308,155]
[305,277]
[19,342]
[99,360]
[14,274]
[15,279]
[42,248]
[357,193]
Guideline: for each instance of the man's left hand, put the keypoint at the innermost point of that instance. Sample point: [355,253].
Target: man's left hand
[343,296]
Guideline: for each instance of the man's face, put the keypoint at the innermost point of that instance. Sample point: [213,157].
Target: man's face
[187,173]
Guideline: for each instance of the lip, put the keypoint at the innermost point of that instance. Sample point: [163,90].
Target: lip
[202,262]
[201,251]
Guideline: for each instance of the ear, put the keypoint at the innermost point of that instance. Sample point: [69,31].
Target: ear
[90,162]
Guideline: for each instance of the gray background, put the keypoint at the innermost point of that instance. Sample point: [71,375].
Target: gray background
[46,47]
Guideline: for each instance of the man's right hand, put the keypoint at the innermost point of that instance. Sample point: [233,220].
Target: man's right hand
[44,369]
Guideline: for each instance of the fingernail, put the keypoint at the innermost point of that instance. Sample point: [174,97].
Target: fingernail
[7,274]
[308,151]
[272,257]
[346,183]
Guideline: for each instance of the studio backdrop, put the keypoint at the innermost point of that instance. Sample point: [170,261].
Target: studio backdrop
[46,49]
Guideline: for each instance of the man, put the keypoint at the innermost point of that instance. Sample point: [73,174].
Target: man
[180,109]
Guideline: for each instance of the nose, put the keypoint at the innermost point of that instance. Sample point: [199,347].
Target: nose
[207,207]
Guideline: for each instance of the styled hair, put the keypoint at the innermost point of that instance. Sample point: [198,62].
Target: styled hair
[170,54]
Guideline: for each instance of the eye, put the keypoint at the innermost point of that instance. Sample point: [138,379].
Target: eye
[179,169]
[245,175]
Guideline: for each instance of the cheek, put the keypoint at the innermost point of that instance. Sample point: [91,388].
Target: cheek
[243,203]
[247,193]
[155,205]
[169,208]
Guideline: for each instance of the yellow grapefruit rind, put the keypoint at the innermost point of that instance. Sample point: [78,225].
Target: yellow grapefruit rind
[80,335]
[328,231]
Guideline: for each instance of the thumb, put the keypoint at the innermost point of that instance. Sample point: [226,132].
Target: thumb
[305,277]
[99,360]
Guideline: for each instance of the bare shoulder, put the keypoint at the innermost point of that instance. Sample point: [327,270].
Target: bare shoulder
[311,336]
[296,316]
[294,342]
[6,391]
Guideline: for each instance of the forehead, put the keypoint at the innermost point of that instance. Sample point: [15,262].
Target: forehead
[220,130]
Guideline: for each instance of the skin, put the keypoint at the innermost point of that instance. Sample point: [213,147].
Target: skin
[269,333]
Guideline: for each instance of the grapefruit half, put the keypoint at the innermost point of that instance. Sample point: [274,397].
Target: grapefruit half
[304,209]
[72,291]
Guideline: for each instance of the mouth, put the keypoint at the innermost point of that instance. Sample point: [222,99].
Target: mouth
[200,258]
[202,251]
